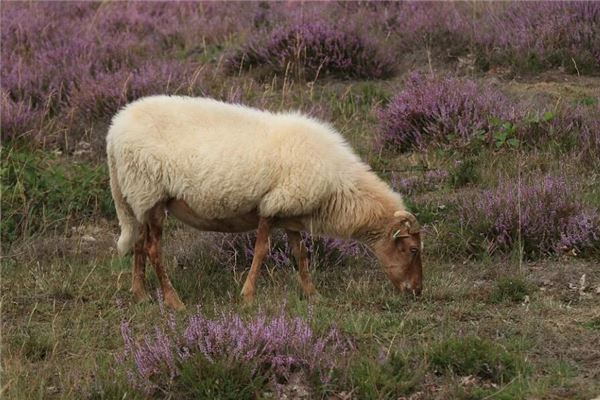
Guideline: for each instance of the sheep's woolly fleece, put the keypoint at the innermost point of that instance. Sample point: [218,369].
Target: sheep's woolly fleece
[227,160]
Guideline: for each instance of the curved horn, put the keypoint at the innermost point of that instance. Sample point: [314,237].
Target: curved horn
[412,220]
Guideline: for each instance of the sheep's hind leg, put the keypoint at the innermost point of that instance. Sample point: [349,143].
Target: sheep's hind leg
[300,254]
[153,234]
[261,248]
[138,280]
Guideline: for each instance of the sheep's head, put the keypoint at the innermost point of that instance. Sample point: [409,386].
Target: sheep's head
[399,251]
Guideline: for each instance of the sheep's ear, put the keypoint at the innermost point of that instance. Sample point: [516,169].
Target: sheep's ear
[408,222]
[401,230]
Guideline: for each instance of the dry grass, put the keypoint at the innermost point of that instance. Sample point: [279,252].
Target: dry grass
[61,319]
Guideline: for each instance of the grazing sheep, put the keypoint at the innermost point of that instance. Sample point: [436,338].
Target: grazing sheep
[229,168]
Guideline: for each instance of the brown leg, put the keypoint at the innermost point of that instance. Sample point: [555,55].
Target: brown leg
[153,234]
[138,280]
[299,252]
[261,248]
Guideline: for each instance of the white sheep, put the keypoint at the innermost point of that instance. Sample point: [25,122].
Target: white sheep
[230,168]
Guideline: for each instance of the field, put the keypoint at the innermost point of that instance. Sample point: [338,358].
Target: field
[485,116]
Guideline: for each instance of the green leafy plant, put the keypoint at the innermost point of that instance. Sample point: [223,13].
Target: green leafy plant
[505,133]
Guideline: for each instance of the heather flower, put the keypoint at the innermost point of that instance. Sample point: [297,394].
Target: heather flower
[526,35]
[55,51]
[434,110]
[544,216]
[580,231]
[17,119]
[409,185]
[438,25]
[313,50]
[272,346]
[576,129]
[58,63]
[580,127]
[100,96]
[541,34]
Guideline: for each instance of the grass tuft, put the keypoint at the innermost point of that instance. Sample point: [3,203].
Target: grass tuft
[475,356]
[201,379]
[392,377]
[510,289]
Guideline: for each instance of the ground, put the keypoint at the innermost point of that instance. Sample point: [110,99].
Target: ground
[61,315]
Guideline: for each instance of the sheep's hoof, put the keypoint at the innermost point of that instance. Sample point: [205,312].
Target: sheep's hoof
[172,300]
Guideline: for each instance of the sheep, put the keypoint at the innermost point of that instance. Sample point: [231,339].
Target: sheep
[231,168]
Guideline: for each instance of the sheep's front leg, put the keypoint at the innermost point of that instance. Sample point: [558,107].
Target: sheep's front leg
[138,279]
[300,254]
[261,247]
[153,235]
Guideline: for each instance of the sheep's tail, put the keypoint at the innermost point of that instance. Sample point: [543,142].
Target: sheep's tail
[127,221]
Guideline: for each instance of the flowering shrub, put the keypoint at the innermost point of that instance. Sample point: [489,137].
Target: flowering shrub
[95,98]
[543,216]
[18,119]
[573,129]
[53,52]
[541,34]
[441,26]
[440,110]
[312,50]
[270,346]
[579,129]
[458,112]
[95,57]
[529,36]
[411,185]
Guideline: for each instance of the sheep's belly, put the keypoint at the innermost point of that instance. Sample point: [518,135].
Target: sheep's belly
[184,213]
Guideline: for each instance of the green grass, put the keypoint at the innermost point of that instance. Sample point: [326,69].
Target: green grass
[41,191]
[475,356]
[593,324]
[383,379]
[484,328]
[63,318]
[201,379]
[510,289]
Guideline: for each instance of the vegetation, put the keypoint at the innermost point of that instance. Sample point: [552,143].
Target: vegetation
[483,115]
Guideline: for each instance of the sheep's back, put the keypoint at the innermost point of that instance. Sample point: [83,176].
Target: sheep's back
[226,160]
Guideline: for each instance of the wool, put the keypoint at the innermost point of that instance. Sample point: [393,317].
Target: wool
[227,160]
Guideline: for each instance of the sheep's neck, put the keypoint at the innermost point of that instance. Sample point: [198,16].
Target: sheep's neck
[359,211]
